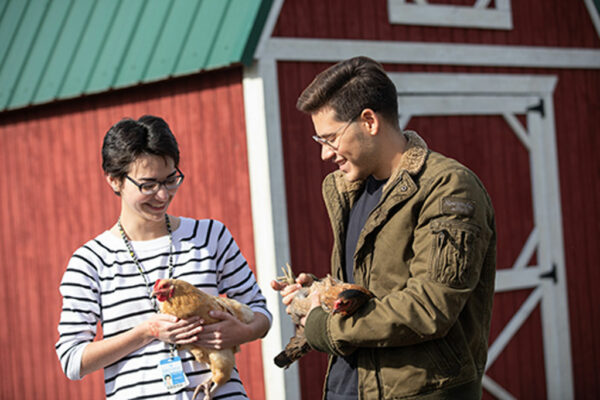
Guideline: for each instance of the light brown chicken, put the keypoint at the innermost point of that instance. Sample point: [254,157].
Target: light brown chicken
[184,300]
[335,296]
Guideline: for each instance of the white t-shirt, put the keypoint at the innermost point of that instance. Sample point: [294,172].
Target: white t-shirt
[102,284]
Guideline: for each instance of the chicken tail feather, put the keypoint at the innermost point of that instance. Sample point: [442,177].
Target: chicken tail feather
[293,351]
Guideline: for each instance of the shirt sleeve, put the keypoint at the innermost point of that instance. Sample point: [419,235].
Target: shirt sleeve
[80,312]
[234,276]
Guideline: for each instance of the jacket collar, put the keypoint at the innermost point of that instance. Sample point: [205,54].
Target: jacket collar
[412,161]
[413,158]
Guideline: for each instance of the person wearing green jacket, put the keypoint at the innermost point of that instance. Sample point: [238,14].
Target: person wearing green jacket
[414,227]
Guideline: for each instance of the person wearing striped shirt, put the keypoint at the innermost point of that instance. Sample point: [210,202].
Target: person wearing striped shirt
[109,279]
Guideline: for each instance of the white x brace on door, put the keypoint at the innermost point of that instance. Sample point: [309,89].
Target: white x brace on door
[429,94]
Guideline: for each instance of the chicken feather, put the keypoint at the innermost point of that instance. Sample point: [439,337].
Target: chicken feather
[184,300]
[335,297]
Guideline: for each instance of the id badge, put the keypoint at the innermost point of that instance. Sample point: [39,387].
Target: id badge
[171,371]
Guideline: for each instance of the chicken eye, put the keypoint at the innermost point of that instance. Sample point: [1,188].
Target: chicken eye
[160,284]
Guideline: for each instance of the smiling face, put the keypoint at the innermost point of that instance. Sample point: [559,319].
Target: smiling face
[355,152]
[136,206]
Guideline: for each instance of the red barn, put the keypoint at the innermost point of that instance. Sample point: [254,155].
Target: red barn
[509,88]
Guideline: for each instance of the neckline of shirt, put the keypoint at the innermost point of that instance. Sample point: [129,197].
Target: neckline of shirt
[159,242]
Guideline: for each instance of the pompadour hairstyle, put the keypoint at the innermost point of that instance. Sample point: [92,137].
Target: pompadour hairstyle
[350,86]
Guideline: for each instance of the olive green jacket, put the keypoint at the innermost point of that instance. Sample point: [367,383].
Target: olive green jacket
[428,253]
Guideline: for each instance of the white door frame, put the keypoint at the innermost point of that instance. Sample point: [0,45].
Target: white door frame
[482,14]
[510,95]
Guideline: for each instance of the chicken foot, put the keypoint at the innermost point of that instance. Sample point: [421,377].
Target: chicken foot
[208,387]
[288,276]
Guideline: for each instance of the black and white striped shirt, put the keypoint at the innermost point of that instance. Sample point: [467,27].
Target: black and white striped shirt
[102,284]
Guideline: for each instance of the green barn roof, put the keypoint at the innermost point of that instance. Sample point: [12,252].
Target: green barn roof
[58,49]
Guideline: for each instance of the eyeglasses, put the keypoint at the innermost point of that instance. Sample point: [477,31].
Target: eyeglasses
[331,143]
[171,183]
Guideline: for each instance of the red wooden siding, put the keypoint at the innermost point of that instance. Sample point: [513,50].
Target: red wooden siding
[54,198]
[488,146]
[536,23]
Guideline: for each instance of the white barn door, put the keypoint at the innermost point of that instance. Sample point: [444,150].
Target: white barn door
[510,96]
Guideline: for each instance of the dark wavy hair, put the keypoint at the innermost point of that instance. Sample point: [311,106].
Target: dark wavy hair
[128,139]
[350,86]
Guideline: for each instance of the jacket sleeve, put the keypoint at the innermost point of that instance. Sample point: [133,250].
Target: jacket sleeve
[453,232]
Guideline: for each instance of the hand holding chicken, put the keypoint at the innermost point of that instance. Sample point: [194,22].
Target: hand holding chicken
[185,301]
[332,295]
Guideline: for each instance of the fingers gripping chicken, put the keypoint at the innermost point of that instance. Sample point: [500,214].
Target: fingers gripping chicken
[335,296]
[184,300]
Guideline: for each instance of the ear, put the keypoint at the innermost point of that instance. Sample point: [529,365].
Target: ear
[114,183]
[371,121]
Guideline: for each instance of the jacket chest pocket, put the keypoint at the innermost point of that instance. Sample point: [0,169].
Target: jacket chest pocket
[454,255]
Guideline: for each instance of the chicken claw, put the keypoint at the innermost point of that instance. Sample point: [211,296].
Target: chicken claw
[206,387]
[288,276]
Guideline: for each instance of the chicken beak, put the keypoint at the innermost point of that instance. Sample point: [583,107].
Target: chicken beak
[154,291]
